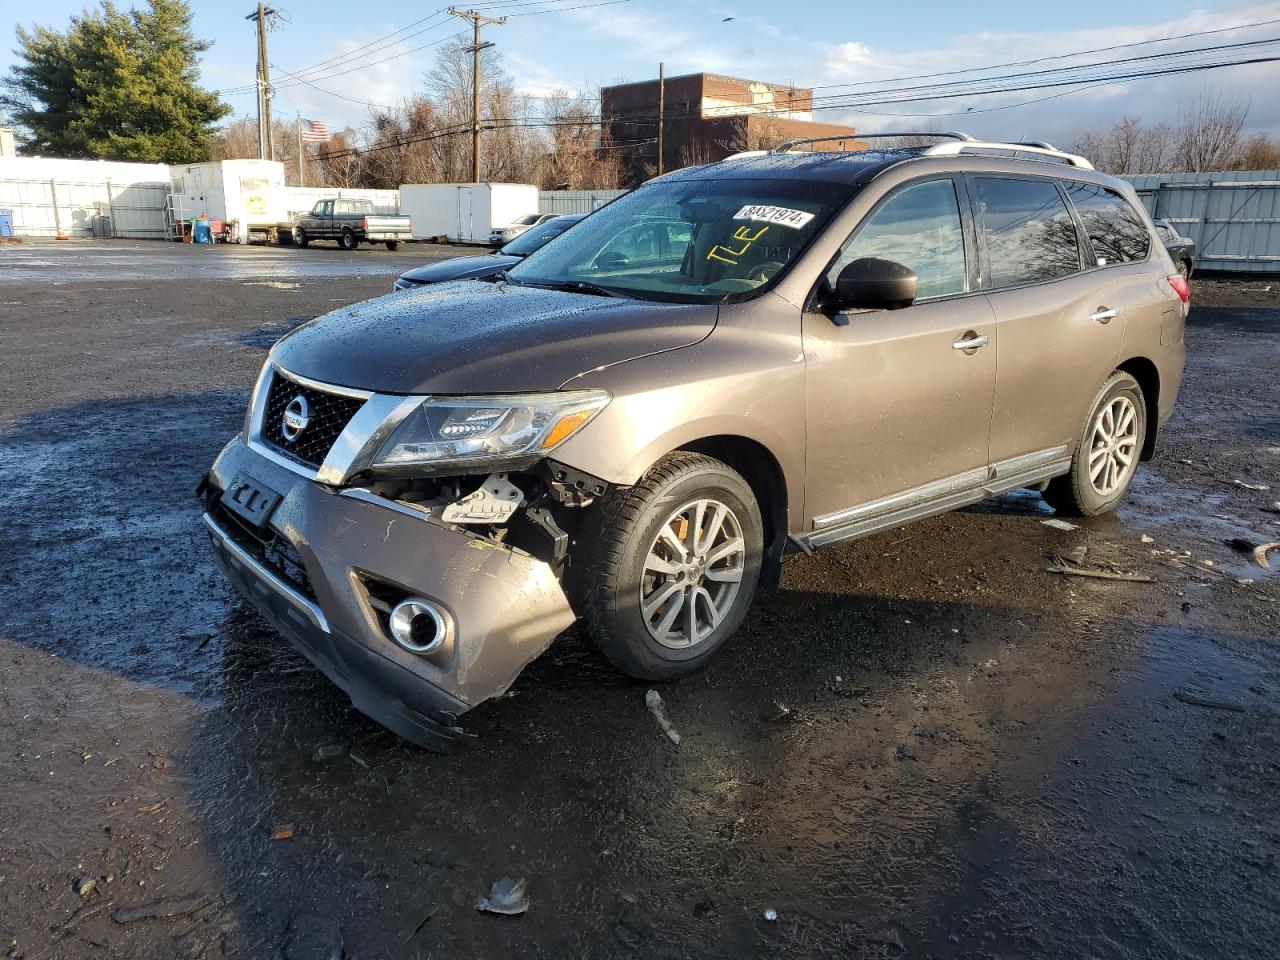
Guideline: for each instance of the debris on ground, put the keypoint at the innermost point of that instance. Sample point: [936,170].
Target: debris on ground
[86,886]
[329,751]
[1251,486]
[1059,524]
[1260,553]
[653,700]
[160,909]
[1192,700]
[771,914]
[1064,567]
[507,896]
[1147,538]
[1077,554]
[283,832]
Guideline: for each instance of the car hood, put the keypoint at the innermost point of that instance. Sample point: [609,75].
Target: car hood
[460,268]
[466,337]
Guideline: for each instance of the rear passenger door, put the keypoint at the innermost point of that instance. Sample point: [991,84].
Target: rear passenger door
[1059,320]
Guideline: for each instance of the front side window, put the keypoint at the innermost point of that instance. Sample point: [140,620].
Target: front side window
[1029,235]
[1116,231]
[918,227]
[691,240]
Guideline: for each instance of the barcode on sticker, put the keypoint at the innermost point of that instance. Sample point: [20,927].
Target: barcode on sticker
[783,216]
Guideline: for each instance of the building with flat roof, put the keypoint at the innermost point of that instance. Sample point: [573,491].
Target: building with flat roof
[708,118]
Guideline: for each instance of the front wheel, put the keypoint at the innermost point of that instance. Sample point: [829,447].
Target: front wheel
[393,244]
[347,241]
[299,237]
[1107,452]
[667,569]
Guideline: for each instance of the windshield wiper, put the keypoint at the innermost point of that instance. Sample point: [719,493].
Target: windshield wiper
[586,286]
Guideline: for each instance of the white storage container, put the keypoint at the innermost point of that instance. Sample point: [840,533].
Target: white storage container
[465,212]
[249,191]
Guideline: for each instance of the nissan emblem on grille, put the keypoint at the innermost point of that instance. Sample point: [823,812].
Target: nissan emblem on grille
[296,417]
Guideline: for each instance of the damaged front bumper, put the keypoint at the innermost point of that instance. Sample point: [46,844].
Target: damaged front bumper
[325,567]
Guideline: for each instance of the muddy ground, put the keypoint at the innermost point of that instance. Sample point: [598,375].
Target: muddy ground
[925,744]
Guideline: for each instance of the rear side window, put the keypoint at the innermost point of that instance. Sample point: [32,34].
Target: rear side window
[1029,235]
[918,227]
[1116,231]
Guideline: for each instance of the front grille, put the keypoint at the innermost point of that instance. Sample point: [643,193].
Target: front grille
[329,415]
[269,548]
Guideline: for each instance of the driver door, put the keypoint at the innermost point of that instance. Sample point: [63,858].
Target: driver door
[898,411]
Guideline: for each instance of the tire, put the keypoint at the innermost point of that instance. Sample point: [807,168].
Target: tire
[1184,268]
[300,238]
[611,575]
[347,239]
[284,238]
[392,245]
[1080,492]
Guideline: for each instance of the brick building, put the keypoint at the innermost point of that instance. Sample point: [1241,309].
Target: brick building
[709,117]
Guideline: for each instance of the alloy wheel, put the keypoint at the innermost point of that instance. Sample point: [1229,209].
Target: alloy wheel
[1113,446]
[692,573]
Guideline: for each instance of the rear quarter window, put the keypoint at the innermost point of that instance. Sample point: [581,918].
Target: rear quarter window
[1029,235]
[1116,231]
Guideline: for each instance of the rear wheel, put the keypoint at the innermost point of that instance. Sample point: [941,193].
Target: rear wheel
[299,237]
[347,240]
[669,567]
[1107,452]
[392,244]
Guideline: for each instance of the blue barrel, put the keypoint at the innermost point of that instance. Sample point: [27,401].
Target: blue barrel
[6,223]
[203,231]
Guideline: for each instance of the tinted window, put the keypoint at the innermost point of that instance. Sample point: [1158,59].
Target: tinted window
[918,227]
[1116,231]
[1029,234]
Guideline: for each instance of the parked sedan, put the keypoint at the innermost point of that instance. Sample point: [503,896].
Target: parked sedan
[523,225]
[491,264]
[1181,249]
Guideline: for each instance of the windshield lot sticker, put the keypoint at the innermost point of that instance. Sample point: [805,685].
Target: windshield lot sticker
[782,216]
[743,235]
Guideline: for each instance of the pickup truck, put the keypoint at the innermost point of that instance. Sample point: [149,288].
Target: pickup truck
[348,221]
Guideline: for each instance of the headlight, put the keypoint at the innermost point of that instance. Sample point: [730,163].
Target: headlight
[457,431]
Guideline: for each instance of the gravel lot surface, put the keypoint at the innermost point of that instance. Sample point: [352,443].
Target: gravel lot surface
[925,744]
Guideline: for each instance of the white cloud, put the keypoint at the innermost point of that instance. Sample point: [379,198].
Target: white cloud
[1053,112]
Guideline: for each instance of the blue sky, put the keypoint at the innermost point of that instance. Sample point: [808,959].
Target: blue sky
[546,44]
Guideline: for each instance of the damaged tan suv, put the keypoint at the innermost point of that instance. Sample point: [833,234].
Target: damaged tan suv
[632,427]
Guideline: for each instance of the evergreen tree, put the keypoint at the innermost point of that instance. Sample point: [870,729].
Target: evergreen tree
[116,85]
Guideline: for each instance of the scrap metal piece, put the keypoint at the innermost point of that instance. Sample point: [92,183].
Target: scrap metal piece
[507,896]
[653,700]
[1260,553]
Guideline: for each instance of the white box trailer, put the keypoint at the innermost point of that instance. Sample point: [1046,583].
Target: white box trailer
[465,212]
[249,192]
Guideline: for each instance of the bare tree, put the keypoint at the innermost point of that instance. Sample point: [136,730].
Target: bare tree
[1128,147]
[1210,133]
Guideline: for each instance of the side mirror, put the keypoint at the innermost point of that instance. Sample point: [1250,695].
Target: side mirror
[870,283]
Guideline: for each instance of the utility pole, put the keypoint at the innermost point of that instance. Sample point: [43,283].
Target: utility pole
[662,114]
[477,21]
[266,149]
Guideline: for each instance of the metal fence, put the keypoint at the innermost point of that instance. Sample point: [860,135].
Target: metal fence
[45,208]
[561,202]
[1234,217]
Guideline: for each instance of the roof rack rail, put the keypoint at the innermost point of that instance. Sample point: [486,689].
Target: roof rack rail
[1038,149]
[788,144]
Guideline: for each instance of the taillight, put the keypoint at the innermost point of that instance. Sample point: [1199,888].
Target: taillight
[1181,286]
[365,224]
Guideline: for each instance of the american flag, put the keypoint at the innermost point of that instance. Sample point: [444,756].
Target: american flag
[313,131]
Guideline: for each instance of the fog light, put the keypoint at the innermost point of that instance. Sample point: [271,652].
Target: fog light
[418,626]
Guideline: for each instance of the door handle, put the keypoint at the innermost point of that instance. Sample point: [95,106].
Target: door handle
[1104,314]
[971,341]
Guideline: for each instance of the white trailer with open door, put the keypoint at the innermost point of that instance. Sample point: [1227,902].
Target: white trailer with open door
[465,212]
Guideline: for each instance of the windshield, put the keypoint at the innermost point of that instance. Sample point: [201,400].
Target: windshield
[690,241]
[525,221]
[537,238]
